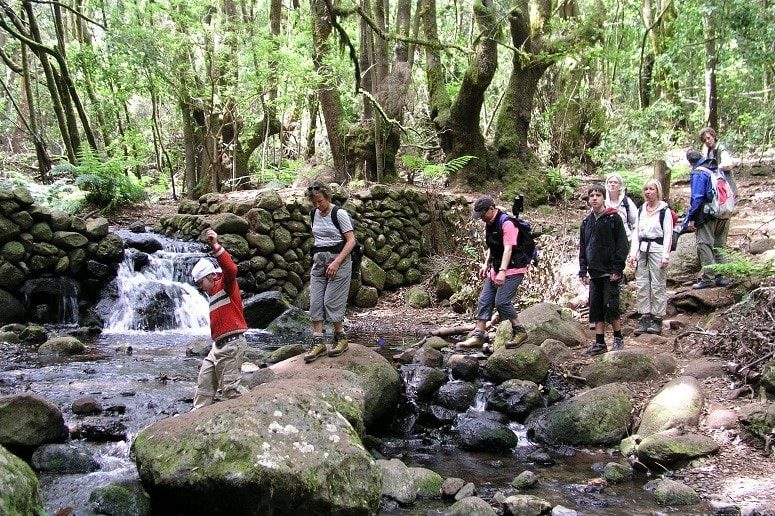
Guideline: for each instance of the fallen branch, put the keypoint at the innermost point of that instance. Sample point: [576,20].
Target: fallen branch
[758,360]
[447,331]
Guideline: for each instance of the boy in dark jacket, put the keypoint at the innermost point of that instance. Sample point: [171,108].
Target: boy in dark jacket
[603,252]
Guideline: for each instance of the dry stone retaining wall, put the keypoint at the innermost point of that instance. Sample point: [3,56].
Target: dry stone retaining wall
[270,236]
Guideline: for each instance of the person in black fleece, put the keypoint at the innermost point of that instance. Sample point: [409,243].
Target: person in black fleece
[603,249]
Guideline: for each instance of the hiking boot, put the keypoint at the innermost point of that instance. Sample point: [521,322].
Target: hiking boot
[655,327]
[518,337]
[706,283]
[618,344]
[340,345]
[643,325]
[476,340]
[722,281]
[595,349]
[318,350]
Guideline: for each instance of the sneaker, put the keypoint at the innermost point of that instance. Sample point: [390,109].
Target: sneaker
[706,283]
[476,340]
[643,325]
[655,327]
[318,350]
[340,345]
[722,281]
[595,349]
[618,344]
[518,337]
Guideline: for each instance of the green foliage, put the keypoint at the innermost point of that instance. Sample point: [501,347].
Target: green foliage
[107,183]
[429,172]
[61,194]
[560,184]
[740,266]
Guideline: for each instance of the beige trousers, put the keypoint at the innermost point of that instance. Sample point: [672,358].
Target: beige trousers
[651,281]
[221,370]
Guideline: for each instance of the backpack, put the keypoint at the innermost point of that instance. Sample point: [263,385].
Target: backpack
[526,251]
[722,206]
[676,230]
[357,253]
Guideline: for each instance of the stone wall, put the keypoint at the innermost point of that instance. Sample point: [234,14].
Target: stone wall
[39,246]
[270,236]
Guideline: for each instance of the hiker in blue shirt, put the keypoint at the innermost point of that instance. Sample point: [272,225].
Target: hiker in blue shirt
[711,232]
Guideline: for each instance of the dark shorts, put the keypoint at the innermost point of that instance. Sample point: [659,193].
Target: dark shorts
[603,299]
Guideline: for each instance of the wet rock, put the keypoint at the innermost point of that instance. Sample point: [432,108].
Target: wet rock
[121,499]
[526,505]
[9,337]
[423,382]
[451,486]
[427,483]
[427,356]
[143,242]
[456,395]
[483,434]
[101,429]
[19,490]
[260,310]
[670,492]
[198,347]
[34,333]
[549,321]
[66,458]
[471,506]
[671,447]
[137,227]
[599,416]
[515,398]
[86,406]
[561,510]
[62,346]
[28,420]
[11,310]
[617,472]
[678,403]
[435,416]
[397,482]
[525,480]
[528,362]
[116,409]
[463,367]
[405,357]
[539,456]
[627,365]
[286,352]
[467,490]
[437,343]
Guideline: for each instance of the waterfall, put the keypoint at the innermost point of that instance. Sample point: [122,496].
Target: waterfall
[52,300]
[154,291]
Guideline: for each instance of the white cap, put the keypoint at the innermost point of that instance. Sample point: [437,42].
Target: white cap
[204,267]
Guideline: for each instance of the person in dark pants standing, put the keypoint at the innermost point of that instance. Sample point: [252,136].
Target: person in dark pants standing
[603,249]
[502,272]
[222,367]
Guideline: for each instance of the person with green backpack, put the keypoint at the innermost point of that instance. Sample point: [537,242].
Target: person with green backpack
[331,271]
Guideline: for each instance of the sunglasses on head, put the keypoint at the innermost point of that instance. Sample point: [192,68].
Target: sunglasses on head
[315,188]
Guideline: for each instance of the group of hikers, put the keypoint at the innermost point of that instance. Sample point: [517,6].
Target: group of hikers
[614,233]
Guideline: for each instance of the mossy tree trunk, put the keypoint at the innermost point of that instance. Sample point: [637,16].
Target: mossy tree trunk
[457,121]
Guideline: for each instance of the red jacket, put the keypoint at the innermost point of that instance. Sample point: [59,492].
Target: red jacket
[226,316]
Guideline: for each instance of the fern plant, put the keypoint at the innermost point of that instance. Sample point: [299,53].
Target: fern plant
[107,183]
[740,266]
[429,172]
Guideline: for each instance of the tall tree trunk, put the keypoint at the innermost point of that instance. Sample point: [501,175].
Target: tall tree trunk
[330,103]
[41,153]
[711,94]
[457,123]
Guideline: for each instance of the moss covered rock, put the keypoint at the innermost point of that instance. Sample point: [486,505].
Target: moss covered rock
[678,403]
[527,362]
[627,365]
[62,346]
[672,446]
[19,489]
[417,297]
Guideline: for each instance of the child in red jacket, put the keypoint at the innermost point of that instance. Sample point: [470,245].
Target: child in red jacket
[222,367]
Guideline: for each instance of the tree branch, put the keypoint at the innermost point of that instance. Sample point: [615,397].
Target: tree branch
[9,63]
[381,110]
[75,12]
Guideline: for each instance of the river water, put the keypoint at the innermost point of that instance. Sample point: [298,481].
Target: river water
[149,374]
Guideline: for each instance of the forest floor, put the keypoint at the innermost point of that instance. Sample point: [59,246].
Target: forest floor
[741,472]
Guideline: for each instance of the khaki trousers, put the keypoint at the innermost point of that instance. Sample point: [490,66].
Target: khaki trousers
[221,370]
[711,237]
[651,281]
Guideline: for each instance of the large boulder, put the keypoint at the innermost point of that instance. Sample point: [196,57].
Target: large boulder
[283,448]
[678,403]
[124,498]
[64,458]
[485,434]
[62,346]
[627,365]
[397,481]
[224,223]
[19,489]
[448,281]
[527,362]
[673,446]
[599,416]
[549,321]
[515,398]
[27,421]
[260,310]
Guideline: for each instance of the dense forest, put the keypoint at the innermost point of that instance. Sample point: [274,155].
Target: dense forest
[126,98]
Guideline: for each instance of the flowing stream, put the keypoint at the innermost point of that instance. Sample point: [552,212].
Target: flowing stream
[139,363]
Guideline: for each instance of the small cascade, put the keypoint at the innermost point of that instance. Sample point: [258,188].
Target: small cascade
[480,401]
[153,291]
